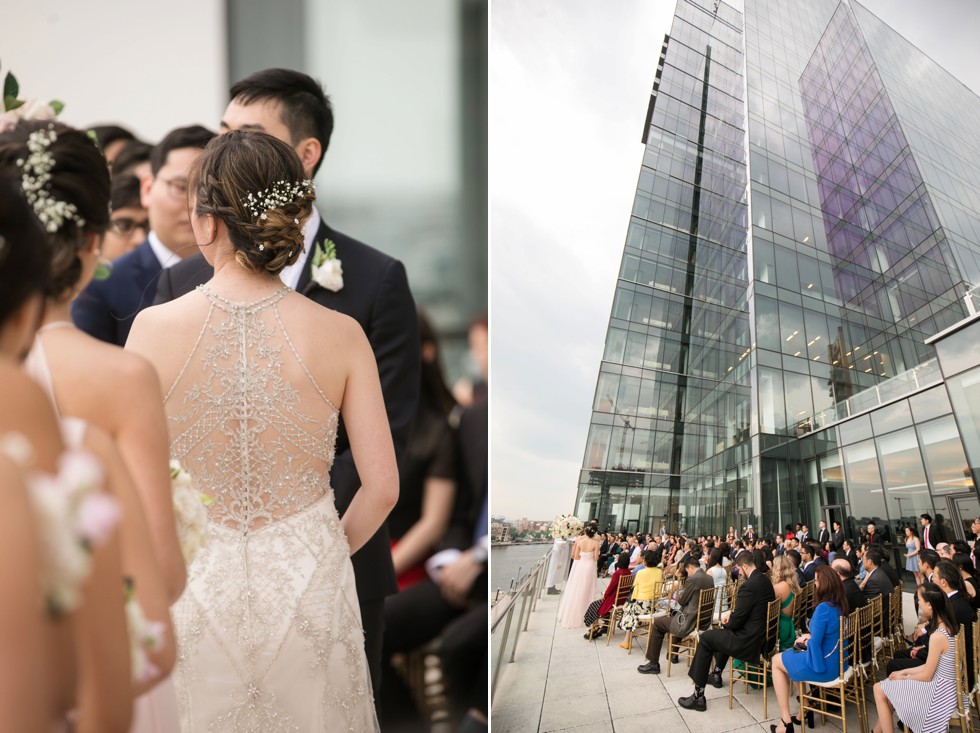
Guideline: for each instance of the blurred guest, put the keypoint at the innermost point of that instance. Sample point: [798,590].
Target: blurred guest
[129,223]
[473,387]
[106,308]
[133,159]
[427,470]
[112,139]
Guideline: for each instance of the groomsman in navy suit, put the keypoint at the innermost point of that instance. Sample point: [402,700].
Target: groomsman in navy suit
[373,290]
[106,308]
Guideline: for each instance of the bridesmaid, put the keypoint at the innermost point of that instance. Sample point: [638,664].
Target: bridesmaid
[580,589]
[80,659]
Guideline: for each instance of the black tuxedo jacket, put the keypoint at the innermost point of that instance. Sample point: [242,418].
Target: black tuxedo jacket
[748,621]
[106,308]
[838,539]
[823,536]
[879,584]
[376,295]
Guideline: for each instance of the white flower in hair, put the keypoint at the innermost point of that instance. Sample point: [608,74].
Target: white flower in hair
[260,203]
[36,182]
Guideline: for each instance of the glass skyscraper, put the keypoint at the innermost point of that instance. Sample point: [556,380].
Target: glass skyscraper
[805,223]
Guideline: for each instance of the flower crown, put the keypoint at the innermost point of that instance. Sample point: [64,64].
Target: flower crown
[36,180]
[260,203]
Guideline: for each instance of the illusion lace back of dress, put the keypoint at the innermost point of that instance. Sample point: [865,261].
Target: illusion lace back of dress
[268,628]
[247,419]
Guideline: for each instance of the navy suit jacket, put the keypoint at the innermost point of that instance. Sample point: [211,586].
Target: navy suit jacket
[376,295]
[106,308]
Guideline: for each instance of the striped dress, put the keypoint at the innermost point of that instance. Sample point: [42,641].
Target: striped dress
[926,707]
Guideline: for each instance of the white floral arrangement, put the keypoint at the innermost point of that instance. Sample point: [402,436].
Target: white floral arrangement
[325,268]
[566,526]
[190,510]
[74,517]
[144,637]
[12,109]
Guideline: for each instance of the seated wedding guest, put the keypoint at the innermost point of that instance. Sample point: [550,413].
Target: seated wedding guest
[679,624]
[111,139]
[128,225]
[601,608]
[645,586]
[947,577]
[924,696]
[888,568]
[106,308]
[875,582]
[797,561]
[426,471]
[75,635]
[849,554]
[812,559]
[719,576]
[970,587]
[928,559]
[742,635]
[820,661]
[786,588]
[855,598]
[133,159]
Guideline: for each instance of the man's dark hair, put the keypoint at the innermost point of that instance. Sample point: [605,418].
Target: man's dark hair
[124,191]
[927,517]
[874,555]
[108,134]
[194,136]
[795,556]
[306,109]
[947,571]
[745,559]
[929,557]
[692,559]
[135,152]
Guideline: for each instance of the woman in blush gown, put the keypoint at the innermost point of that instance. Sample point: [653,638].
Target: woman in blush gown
[580,589]
[257,378]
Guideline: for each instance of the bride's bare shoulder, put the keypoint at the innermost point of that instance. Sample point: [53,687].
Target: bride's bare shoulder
[330,330]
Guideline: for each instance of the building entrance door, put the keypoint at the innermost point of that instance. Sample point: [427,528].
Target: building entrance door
[963,509]
[742,520]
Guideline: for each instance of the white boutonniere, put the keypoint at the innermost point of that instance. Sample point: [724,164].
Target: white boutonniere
[325,268]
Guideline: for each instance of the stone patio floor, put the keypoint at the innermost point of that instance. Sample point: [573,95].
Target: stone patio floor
[560,682]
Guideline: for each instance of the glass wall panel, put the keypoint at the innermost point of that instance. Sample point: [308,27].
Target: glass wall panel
[964,394]
[597,446]
[943,452]
[904,478]
[929,404]
[864,489]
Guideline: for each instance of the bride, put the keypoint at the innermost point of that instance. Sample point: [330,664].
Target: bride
[256,378]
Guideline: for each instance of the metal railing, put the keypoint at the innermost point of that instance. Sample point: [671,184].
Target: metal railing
[504,632]
[916,378]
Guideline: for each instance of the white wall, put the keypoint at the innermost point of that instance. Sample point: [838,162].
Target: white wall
[150,65]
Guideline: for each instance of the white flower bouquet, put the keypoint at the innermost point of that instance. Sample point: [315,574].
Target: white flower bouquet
[74,517]
[190,510]
[566,526]
[144,636]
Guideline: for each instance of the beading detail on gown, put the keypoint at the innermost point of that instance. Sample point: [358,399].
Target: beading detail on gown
[269,632]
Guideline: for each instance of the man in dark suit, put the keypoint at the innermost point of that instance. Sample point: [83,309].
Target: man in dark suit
[948,578]
[809,555]
[855,598]
[876,583]
[803,536]
[106,308]
[680,624]
[850,554]
[742,636]
[932,534]
[823,534]
[374,291]
[837,536]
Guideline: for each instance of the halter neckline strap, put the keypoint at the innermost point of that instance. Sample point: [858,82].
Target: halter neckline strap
[252,306]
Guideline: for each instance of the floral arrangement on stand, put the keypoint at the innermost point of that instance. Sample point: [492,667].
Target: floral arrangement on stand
[190,510]
[13,109]
[566,526]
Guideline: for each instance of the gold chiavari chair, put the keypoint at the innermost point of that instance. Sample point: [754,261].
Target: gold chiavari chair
[724,603]
[758,672]
[687,646]
[847,686]
[802,605]
[896,614]
[962,714]
[644,621]
[624,590]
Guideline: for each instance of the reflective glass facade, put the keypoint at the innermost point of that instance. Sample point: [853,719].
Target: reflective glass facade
[800,229]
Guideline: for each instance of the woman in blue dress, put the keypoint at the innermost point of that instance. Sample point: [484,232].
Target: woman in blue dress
[820,662]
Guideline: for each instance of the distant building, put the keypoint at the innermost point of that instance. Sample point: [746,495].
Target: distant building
[789,339]
[499,532]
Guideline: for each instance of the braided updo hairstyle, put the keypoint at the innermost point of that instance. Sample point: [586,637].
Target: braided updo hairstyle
[237,164]
[80,178]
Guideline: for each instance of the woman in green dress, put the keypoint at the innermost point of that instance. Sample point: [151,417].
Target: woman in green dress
[787,588]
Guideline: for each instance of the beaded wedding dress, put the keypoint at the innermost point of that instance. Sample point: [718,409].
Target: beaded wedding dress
[268,629]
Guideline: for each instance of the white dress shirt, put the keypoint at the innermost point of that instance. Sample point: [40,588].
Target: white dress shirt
[290,274]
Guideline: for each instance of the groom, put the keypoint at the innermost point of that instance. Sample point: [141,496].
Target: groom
[373,290]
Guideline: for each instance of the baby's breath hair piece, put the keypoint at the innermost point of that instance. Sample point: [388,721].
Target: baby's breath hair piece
[36,182]
[279,194]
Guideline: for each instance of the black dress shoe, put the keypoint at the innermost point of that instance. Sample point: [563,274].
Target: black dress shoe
[714,679]
[674,659]
[552,591]
[649,668]
[693,702]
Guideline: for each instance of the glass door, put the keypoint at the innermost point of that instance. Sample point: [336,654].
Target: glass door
[835,513]
[963,509]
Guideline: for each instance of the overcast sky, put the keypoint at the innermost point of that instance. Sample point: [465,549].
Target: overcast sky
[569,84]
